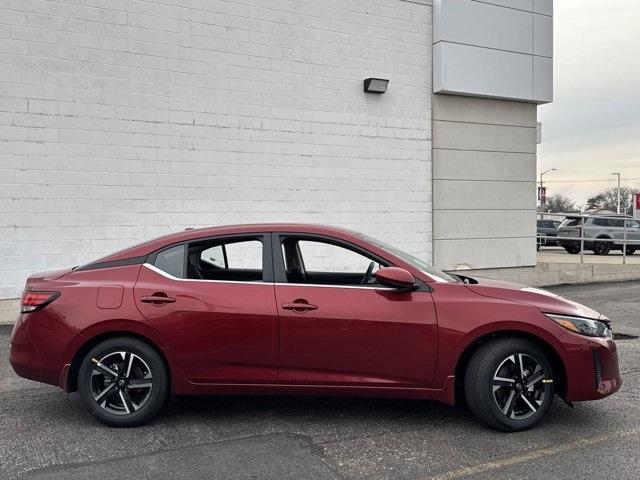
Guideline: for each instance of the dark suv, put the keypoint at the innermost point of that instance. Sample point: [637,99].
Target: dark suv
[610,230]
[547,233]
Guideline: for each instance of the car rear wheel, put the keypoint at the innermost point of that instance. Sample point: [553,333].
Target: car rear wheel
[123,382]
[509,384]
[601,247]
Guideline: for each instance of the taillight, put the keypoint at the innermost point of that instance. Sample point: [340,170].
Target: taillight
[34,301]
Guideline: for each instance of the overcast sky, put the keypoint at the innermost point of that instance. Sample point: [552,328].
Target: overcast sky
[592,128]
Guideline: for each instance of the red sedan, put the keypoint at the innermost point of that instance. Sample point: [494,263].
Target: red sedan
[304,310]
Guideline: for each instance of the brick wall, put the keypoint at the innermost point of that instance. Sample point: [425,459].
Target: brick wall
[127,119]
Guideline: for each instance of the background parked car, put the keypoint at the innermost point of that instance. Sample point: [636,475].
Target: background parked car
[548,228]
[598,231]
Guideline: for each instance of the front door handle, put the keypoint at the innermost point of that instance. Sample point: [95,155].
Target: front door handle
[299,306]
[157,299]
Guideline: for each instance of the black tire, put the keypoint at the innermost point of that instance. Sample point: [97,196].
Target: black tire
[132,398]
[602,247]
[484,369]
[630,251]
[572,249]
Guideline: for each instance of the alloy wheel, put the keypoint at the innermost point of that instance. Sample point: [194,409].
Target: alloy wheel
[121,382]
[519,386]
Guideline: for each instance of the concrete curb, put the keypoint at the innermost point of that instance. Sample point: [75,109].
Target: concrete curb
[555,273]
[9,310]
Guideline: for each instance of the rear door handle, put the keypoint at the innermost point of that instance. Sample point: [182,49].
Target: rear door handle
[157,299]
[299,306]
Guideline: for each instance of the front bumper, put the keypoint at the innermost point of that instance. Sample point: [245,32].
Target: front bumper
[592,370]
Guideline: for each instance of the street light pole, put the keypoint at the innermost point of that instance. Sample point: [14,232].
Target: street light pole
[618,174]
[541,186]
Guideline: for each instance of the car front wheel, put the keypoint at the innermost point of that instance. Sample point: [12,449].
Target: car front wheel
[123,382]
[509,384]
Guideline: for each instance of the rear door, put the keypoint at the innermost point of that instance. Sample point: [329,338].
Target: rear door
[212,301]
[339,327]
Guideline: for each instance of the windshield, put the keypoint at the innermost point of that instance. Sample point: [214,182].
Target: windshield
[415,261]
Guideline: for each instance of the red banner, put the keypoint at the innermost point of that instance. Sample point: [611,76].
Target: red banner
[542,195]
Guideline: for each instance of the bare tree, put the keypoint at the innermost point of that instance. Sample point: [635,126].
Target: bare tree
[558,203]
[608,199]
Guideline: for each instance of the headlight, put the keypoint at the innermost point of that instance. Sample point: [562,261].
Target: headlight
[583,326]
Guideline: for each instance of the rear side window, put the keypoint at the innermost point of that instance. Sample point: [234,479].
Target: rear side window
[171,261]
[601,222]
[229,259]
[616,222]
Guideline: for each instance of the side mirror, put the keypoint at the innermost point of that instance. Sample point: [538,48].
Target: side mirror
[395,277]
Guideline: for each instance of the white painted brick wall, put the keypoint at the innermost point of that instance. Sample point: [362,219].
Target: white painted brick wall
[127,119]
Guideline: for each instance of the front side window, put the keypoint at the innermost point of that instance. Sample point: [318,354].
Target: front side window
[413,260]
[325,263]
[633,224]
[235,259]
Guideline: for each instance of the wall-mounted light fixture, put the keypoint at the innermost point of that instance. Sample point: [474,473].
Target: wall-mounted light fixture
[375,85]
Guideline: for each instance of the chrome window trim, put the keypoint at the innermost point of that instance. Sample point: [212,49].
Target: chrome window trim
[171,277]
[324,285]
[155,269]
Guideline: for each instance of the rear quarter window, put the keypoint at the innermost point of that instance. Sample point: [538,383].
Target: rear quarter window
[171,261]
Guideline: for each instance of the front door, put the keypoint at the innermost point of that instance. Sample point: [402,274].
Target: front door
[212,301]
[633,235]
[338,327]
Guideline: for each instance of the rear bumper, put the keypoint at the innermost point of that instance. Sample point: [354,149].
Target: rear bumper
[548,240]
[593,372]
[34,361]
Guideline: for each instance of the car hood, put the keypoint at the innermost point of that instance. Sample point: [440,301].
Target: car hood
[544,300]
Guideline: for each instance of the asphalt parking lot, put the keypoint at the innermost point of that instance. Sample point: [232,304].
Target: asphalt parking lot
[46,434]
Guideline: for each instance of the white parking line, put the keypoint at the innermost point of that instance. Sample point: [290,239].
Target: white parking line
[533,455]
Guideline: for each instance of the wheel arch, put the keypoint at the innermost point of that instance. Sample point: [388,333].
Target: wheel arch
[473,346]
[74,368]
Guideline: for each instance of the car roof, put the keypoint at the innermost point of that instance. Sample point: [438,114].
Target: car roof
[150,246]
